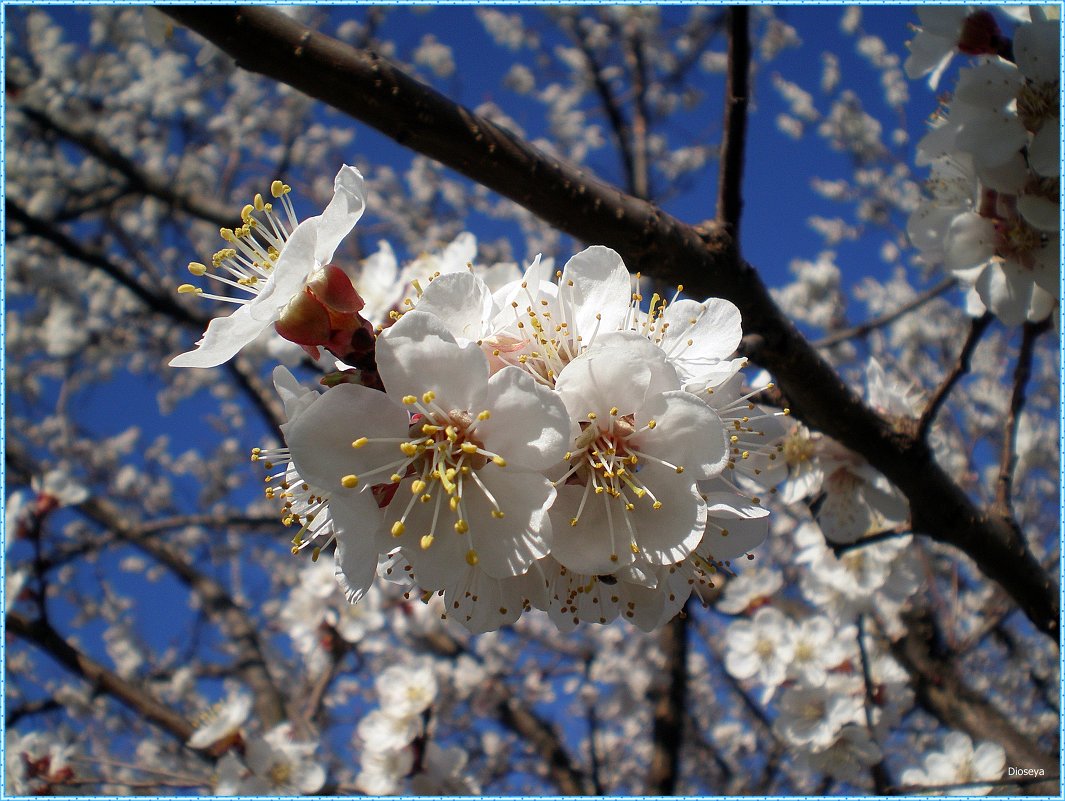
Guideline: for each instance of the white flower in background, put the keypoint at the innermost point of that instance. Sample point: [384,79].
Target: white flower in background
[383,730]
[761,649]
[639,445]
[274,765]
[270,259]
[441,773]
[813,717]
[848,758]
[408,689]
[220,724]
[462,451]
[35,761]
[380,772]
[57,488]
[959,762]
[818,646]
[749,589]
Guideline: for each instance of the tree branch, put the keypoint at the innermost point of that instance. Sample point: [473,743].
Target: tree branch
[942,692]
[734,129]
[370,88]
[961,367]
[669,698]
[137,699]
[1008,459]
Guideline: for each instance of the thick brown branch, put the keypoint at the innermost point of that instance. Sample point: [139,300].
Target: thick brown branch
[734,130]
[370,88]
[137,699]
[669,698]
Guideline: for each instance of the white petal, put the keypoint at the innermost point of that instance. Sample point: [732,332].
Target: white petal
[1037,48]
[529,426]
[222,340]
[320,438]
[989,85]
[588,546]
[295,263]
[340,216]
[600,292]
[1040,213]
[357,522]
[688,433]
[970,241]
[419,353]
[667,534]
[507,546]
[1044,153]
[462,301]
[1008,296]
[700,335]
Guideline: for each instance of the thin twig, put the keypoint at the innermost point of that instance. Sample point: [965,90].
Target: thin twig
[866,328]
[840,548]
[670,699]
[734,134]
[881,780]
[1021,373]
[913,789]
[961,367]
[641,117]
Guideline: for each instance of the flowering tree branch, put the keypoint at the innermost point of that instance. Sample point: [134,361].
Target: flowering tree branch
[370,88]
[140,701]
[961,367]
[941,690]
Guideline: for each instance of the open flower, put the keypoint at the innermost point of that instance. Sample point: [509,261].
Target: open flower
[272,259]
[639,445]
[456,453]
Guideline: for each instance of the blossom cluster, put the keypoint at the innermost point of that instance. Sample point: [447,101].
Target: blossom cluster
[993,212]
[549,441]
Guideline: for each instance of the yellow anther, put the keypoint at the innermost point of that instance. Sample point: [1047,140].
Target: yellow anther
[426,541]
[592,415]
[395,478]
[245,213]
[614,410]
[498,514]
[227,234]
[651,423]
[451,433]
[189,289]
[680,468]
[468,447]
[277,189]
[453,502]
[409,399]
[484,415]
[429,428]
[408,448]
[656,505]
[770,385]
[499,460]
[472,558]
[417,487]
[568,456]
[316,553]
[680,287]
[745,455]
[350,481]
[258,201]
[461,526]
[360,442]
[428,397]
[398,528]
[733,439]
[787,410]
[634,548]
[196,268]
[573,522]
[425,498]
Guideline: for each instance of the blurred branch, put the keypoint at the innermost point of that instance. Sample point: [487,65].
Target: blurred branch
[1008,459]
[34,226]
[641,116]
[572,23]
[139,179]
[922,789]
[370,88]
[669,698]
[137,699]
[866,328]
[961,367]
[215,599]
[734,128]
[941,690]
[881,780]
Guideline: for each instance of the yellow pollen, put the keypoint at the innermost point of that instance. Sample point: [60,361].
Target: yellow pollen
[350,481]
[417,487]
[316,553]
[680,468]
[468,447]
[398,528]
[429,397]
[651,423]
[277,188]
[188,289]
[426,541]
[656,505]
[498,514]
[499,460]
[408,448]
[196,268]
[360,442]
[573,522]
[409,399]
[472,558]
[258,201]
[613,411]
